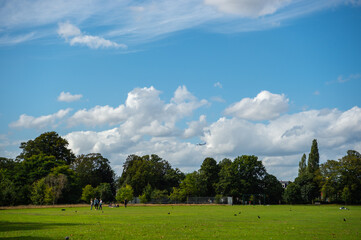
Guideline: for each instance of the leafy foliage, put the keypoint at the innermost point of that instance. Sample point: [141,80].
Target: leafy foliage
[125,193]
[88,193]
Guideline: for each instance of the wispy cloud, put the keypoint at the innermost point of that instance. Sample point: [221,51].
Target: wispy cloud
[342,79]
[68,97]
[139,22]
[12,40]
[74,36]
[248,8]
[218,84]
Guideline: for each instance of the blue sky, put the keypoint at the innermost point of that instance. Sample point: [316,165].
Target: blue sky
[141,77]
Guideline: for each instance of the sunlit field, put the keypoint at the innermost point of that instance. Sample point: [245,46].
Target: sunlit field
[183,222]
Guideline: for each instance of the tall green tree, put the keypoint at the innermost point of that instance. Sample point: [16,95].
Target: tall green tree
[302,166]
[313,158]
[209,176]
[331,182]
[248,174]
[225,176]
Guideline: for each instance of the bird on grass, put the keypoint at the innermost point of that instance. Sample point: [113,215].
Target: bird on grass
[168,213]
[344,219]
[66,238]
[239,213]
[259,217]
[235,214]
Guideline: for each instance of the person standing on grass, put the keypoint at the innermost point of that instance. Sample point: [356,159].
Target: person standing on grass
[91,204]
[96,203]
[100,204]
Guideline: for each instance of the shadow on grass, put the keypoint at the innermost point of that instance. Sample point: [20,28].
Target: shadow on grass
[23,226]
[26,238]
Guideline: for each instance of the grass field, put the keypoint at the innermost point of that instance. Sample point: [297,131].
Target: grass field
[183,222]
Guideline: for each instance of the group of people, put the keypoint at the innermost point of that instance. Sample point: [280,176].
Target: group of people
[97,203]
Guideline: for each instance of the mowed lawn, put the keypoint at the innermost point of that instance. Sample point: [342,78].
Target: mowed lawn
[183,222]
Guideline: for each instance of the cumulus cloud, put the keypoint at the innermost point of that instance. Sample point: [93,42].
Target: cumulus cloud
[279,143]
[264,106]
[248,8]
[143,111]
[196,128]
[26,121]
[74,36]
[68,97]
[147,124]
[286,135]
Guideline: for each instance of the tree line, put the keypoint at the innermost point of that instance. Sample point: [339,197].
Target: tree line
[333,181]
[47,172]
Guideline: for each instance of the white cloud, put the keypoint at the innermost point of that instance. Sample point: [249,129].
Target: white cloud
[143,112]
[196,128]
[95,42]
[26,121]
[74,36]
[279,143]
[264,106]
[248,8]
[67,30]
[147,124]
[68,97]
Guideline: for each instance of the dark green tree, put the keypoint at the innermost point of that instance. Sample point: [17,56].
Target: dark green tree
[93,169]
[104,191]
[191,185]
[272,189]
[331,187]
[302,166]
[138,172]
[48,144]
[225,176]
[292,194]
[350,177]
[209,176]
[7,190]
[248,174]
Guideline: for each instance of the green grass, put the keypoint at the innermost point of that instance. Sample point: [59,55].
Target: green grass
[183,222]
